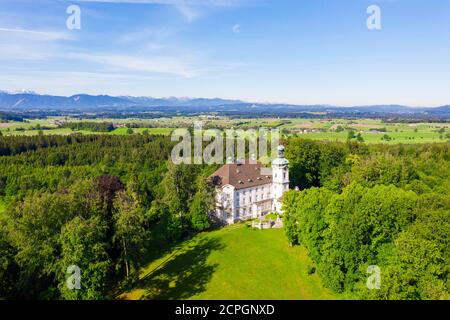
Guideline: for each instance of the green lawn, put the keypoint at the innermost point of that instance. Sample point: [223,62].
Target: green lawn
[232,263]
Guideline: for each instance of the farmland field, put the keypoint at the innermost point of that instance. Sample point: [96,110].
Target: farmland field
[154,131]
[370,130]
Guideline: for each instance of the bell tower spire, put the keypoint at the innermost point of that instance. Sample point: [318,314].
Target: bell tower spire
[280,180]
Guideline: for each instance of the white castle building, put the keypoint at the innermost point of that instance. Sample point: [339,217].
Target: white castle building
[248,190]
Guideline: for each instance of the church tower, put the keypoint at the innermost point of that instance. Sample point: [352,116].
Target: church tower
[280,178]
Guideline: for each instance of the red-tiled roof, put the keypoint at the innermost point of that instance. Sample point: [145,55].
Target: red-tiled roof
[242,176]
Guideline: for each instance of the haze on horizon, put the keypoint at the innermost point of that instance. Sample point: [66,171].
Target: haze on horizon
[305,52]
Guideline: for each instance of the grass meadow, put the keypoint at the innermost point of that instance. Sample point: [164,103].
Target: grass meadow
[236,262]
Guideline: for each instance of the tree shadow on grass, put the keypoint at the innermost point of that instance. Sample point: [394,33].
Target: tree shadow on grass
[184,274]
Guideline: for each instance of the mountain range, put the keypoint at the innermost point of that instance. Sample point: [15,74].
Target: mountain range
[28,101]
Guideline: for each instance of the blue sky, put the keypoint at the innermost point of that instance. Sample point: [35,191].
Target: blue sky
[294,51]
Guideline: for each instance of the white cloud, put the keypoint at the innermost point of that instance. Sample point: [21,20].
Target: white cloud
[188,12]
[70,82]
[39,35]
[157,64]
[149,59]
[187,8]
[222,3]
[43,58]
[145,34]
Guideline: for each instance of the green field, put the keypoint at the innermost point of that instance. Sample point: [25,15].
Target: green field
[154,131]
[371,130]
[425,136]
[232,263]
[27,129]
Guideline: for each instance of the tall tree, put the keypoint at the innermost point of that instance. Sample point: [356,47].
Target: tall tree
[83,245]
[179,190]
[129,232]
[202,205]
[8,267]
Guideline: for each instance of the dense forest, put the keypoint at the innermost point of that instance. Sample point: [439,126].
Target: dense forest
[88,126]
[90,201]
[377,205]
[96,201]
